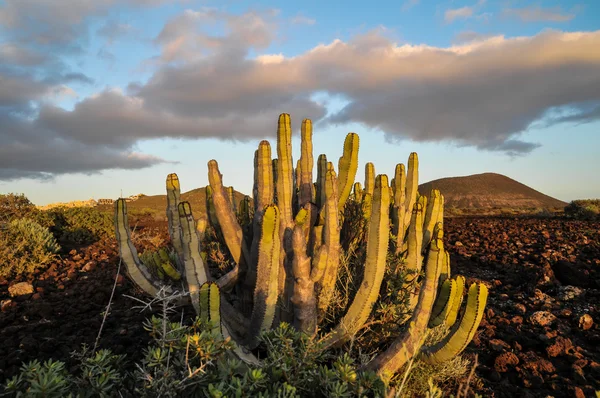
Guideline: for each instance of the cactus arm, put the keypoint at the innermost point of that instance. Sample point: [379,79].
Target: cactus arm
[460,336]
[331,243]
[211,306]
[285,169]
[209,298]
[431,215]
[407,345]
[443,303]
[414,259]
[457,302]
[370,178]
[304,299]
[167,266]
[320,184]
[306,164]
[264,185]
[196,272]
[358,191]
[412,185]
[173,198]
[399,208]
[377,246]
[232,232]
[446,268]
[266,290]
[137,271]
[347,167]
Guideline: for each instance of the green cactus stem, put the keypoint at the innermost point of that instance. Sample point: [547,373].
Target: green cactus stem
[320,184]
[370,178]
[443,303]
[305,175]
[167,265]
[457,302]
[358,192]
[377,245]
[209,306]
[304,299]
[196,271]
[461,334]
[329,252]
[407,346]
[232,232]
[399,208]
[347,167]
[266,290]
[431,215]
[412,185]
[173,199]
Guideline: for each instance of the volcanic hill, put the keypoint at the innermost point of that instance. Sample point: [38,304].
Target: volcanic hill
[489,193]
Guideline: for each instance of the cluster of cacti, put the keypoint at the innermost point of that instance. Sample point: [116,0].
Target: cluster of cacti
[287,252]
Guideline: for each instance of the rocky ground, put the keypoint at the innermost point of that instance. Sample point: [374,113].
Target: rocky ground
[539,336]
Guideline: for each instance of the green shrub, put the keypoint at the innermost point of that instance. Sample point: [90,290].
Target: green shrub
[15,206]
[25,246]
[76,225]
[586,209]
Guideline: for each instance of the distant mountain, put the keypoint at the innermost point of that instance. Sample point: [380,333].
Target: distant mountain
[158,203]
[489,192]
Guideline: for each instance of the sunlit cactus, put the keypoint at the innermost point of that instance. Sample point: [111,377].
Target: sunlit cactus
[285,243]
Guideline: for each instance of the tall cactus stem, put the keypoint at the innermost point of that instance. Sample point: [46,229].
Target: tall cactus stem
[266,290]
[196,271]
[407,346]
[347,167]
[412,185]
[377,245]
[173,199]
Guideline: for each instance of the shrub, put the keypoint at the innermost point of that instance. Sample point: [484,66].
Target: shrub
[76,225]
[15,206]
[25,246]
[586,209]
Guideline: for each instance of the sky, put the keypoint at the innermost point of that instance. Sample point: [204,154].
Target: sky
[103,98]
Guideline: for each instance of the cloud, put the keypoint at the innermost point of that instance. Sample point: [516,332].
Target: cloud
[303,20]
[458,13]
[484,93]
[466,12]
[470,36]
[539,14]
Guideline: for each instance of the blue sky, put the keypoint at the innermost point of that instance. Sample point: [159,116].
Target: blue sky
[103,97]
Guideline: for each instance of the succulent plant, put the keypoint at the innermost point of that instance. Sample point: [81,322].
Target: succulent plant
[287,252]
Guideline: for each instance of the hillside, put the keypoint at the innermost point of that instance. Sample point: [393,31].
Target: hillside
[489,193]
[157,204]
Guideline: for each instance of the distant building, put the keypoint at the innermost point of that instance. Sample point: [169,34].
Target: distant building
[106,201]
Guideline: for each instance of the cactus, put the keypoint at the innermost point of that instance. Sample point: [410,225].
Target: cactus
[287,251]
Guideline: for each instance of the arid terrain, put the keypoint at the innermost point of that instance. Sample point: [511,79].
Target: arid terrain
[539,336]
[491,193]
